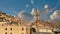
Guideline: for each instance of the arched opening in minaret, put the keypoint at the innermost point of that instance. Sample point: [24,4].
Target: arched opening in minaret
[32,30]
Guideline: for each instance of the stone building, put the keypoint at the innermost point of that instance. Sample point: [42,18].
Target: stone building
[14,25]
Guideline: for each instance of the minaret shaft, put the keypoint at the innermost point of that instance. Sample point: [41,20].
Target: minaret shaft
[37,19]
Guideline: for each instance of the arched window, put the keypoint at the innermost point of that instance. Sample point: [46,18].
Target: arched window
[5,32]
[22,29]
[33,29]
[5,28]
[11,33]
[10,28]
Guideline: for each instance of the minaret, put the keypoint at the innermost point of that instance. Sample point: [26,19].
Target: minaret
[37,15]
[37,19]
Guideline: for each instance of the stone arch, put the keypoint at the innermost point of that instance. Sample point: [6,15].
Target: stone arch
[33,29]
[34,26]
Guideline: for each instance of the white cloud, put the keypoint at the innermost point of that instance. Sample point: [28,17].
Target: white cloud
[32,1]
[27,6]
[26,16]
[46,6]
[20,14]
[54,15]
[46,10]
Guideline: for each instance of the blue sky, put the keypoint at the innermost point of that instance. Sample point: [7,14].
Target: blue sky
[13,7]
